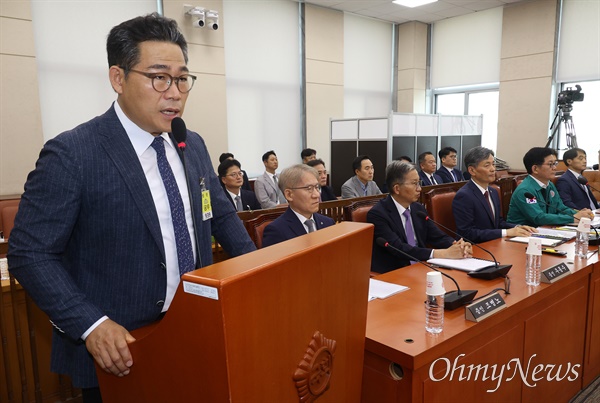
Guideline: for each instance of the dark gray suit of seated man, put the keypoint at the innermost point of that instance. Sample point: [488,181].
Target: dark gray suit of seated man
[94,239]
[361,184]
[300,186]
[396,219]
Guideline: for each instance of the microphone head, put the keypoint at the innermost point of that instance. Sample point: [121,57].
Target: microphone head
[583,180]
[529,195]
[381,242]
[422,215]
[179,130]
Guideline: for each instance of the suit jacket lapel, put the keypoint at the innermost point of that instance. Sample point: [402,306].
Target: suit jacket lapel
[269,180]
[484,203]
[295,225]
[121,152]
[576,183]
[395,217]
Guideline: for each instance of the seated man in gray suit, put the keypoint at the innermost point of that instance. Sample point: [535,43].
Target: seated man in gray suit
[362,183]
[105,227]
[266,186]
[300,185]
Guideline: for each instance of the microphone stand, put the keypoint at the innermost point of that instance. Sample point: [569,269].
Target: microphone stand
[452,299]
[179,134]
[487,273]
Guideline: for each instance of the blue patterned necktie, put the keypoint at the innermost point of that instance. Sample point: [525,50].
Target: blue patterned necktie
[185,254]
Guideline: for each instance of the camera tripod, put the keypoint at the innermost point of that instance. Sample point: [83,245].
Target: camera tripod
[563,114]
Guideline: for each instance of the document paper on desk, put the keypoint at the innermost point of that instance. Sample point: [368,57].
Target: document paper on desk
[549,237]
[381,289]
[468,264]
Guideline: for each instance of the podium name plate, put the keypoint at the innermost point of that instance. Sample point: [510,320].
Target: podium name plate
[555,273]
[478,311]
[201,290]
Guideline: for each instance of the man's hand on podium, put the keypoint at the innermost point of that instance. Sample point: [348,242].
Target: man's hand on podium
[108,344]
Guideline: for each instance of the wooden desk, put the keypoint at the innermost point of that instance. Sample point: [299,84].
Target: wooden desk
[548,325]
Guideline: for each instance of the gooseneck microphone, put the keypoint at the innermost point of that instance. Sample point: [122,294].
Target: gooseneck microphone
[179,132]
[583,180]
[452,299]
[487,273]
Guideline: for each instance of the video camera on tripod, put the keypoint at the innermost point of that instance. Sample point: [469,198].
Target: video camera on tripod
[568,96]
[563,114]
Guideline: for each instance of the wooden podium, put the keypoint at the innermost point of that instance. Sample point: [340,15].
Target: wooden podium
[285,323]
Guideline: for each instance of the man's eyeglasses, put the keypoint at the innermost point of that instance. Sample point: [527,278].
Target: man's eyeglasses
[161,82]
[551,164]
[238,174]
[309,188]
[416,185]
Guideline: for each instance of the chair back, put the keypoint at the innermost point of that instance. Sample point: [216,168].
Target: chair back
[440,210]
[357,211]
[8,219]
[256,226]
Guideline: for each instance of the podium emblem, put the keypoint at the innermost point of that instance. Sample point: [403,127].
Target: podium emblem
[313,374]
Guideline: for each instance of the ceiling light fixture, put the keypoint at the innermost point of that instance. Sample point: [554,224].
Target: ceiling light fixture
[413,3]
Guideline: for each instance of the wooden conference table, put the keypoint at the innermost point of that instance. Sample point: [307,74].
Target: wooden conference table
[552,330]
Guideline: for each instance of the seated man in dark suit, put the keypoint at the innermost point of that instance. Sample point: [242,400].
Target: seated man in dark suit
[427,173]
[326,191]
[246,182]
[300,185]
[448,171]
[230,173]
[396,219]
[573,193]
[476,206]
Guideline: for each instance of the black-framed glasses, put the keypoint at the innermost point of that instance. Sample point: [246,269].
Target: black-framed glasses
[237,174]
[550,164]
[309,188]
[161,82]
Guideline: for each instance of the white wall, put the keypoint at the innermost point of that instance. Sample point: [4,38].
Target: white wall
[70,46]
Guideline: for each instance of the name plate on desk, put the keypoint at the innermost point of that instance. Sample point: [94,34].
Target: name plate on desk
[555,273]
[478,311]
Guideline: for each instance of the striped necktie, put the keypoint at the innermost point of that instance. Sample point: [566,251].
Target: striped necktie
[183,243]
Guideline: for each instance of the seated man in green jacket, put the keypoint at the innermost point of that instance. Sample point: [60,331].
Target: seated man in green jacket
[536,200]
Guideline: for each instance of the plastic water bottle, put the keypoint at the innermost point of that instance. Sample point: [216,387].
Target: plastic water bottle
[533,269]
[583,238]
[533,262]
[434,304]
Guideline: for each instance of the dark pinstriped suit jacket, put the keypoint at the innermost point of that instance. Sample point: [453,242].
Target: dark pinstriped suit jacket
[87,239]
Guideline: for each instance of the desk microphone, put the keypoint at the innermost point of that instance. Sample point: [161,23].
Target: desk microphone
[452,299]
[179,132]
[487,273]
[583,180]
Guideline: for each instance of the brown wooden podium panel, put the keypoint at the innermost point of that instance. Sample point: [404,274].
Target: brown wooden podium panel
[592,355]
[242,329]
[549,321]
